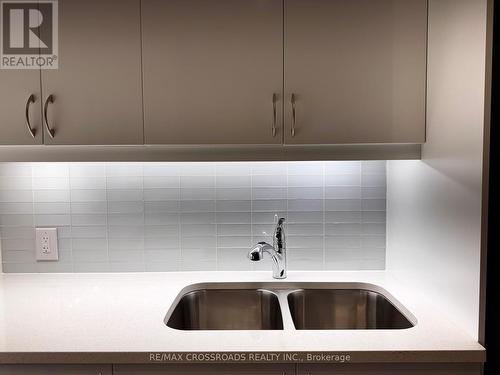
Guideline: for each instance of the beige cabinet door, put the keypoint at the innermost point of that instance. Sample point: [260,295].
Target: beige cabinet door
[97,89]
[357,71]
[55,370]
[205,369]
[213,71]
[20,109]
[391,369]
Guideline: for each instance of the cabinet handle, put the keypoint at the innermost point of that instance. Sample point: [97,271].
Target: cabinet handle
[50,99]
[294,114]
[275,114]
[31,100]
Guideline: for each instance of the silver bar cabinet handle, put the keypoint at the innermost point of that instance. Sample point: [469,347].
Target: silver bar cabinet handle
[294,114]
[31,100]
[50,99]
[275,114]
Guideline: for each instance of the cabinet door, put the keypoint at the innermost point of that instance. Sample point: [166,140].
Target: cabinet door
[357,70]
[20,109]
[97,88]
[213,71]
[205,369]
[55,369]
[392,369]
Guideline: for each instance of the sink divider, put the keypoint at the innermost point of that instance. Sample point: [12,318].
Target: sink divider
[286,315]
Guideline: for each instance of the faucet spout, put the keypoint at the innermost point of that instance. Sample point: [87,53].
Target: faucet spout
[277,251]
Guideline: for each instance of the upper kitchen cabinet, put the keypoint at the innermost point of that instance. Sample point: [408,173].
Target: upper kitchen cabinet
[20,114]
[213,71]
[95,96]
[355,71]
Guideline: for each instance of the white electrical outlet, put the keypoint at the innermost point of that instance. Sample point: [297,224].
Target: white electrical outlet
[46,244]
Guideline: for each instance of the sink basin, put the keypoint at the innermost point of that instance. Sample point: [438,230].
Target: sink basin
[315,309]
[286,306]
[227,309]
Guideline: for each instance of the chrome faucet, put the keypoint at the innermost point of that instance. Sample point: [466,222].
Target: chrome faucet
[277,251]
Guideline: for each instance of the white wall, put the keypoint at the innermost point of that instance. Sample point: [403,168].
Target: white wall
[434,205]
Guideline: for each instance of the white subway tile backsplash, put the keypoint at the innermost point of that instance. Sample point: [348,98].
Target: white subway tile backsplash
[50,170]
[233,194]
[269,193]
[124,182]
[88,219]
[305,229]
[305,217]
[89,232]
[162,182]
[233,259]
[88,207]
[345,167]
[306,181]
[45,208]
[233,169]
[87,170]
[234,217]
[343,192]
[16,219]
[125,195]
[305,168]
[15,170]
[233,181]
[197,182]
[126,231]
[52,183]
[197,193]
[305,205]
[197,169]
[162,169]
[18,245]
[344,179]
[126,219]
[306,192]
[87,195]
[344,216]
[197,206]
[52,220]
[198,218]
[343,204]
[264,168]
[269,205]
[162,243]
[16,208]
[124,169]
[8,233]
[233,206]
[155,195]
[16,196]
[152,231]
[118,217]
[373,167]
[373,192]
[125,207]
[234,229]
[273,180]
[16,183]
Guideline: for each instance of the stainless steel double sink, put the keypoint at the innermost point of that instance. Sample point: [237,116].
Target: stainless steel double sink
[286,306]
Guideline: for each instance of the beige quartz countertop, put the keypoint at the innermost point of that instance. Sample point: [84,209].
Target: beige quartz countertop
[118,318]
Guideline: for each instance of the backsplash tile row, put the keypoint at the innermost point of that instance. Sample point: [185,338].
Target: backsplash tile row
[193,216]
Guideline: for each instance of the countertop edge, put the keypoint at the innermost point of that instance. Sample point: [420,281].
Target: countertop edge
[434,356]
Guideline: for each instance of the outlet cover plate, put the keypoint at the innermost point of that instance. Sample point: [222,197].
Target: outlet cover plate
[46,244]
